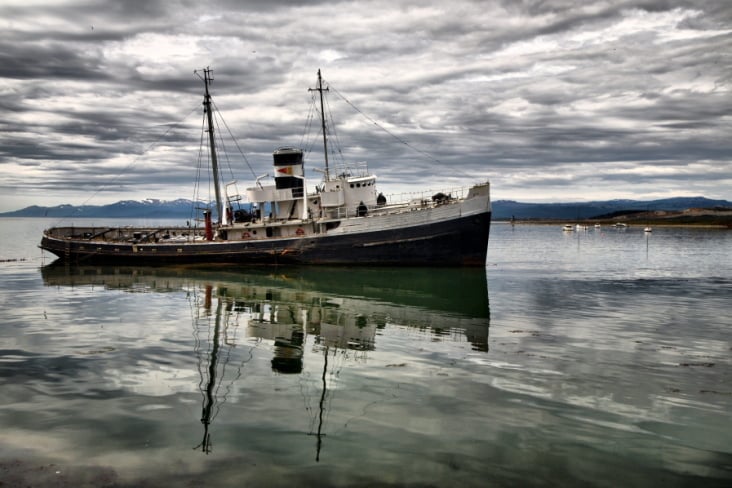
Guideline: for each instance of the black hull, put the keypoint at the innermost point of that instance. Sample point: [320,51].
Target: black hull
[456,242]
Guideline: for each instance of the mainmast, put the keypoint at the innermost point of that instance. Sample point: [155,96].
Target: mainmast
[207,79]
[322,121]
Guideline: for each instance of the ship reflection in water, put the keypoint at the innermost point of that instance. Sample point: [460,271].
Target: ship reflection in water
[330,315]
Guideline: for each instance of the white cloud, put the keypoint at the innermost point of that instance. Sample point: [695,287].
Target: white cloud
[549,99]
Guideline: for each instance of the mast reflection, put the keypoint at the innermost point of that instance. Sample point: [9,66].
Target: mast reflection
[213,360]
[299,314]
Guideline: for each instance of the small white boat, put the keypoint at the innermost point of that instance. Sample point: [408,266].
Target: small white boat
[648,229]
[620,225]
[597,226]
[568,228]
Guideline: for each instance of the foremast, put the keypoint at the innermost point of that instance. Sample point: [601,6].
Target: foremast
[207,79]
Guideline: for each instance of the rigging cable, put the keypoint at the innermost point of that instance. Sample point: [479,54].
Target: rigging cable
[397,138]
[234,139]
[197,184]
[125,170]
[308,125]
[370,119]
[222,150]
[332,126]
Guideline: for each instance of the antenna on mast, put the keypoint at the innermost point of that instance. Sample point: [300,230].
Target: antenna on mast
[322,121]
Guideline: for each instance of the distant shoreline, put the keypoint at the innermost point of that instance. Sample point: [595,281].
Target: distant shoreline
[709,218]
[611,223]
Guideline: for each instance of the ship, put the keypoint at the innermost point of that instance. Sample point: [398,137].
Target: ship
[344,220]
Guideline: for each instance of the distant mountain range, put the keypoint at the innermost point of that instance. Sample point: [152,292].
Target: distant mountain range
[502,209]
[153,209]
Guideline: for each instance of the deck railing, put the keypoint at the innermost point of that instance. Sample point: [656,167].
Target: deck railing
[406,202]
[128,234]
[454,193]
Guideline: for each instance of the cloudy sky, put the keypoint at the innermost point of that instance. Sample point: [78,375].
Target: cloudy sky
[551,100]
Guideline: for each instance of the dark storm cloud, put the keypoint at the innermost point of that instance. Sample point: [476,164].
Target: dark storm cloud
[49,62]
[531,94]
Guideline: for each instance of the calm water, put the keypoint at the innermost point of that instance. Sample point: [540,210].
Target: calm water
[599,358]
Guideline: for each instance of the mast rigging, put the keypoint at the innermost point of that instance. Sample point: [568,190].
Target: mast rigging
[322,121]
[207,79]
